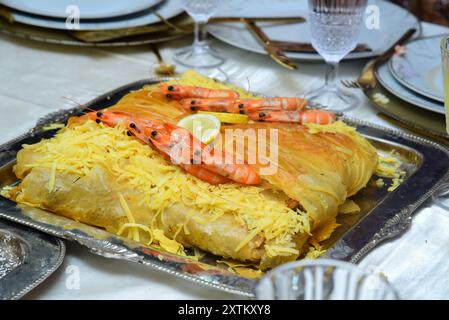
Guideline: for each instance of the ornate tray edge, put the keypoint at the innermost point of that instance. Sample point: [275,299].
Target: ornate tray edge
[43,276]
[116,251]
[402,220]
[60,260]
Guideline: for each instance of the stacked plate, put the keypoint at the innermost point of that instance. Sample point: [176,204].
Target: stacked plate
[376,38]
[68,21]
[416,76]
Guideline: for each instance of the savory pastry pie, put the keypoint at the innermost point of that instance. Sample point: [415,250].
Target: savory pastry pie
[113,170]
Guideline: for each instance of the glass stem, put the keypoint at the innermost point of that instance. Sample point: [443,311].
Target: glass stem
[331,74]
[200,34]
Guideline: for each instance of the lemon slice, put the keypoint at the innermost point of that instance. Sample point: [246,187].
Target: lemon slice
[205,127]
[233,118]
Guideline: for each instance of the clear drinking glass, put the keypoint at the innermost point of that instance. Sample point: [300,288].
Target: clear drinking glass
[334,26]
[441,196]
[323,279]
[445,60]
[199,55]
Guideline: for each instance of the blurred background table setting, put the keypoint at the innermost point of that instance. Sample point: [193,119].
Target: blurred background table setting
[383,64]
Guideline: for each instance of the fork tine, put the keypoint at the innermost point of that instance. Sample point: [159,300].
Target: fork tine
[343,82]
[351,84]
[346,83]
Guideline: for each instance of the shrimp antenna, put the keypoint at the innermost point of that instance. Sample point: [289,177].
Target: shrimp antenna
[73,101]
[83,107]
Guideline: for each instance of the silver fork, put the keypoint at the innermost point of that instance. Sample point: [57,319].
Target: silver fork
[367,79]
[352,84]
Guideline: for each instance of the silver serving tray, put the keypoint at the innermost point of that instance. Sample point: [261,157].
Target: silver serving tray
[27,258]
[384,214]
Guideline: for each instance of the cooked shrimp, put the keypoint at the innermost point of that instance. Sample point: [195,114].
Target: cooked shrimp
[199,153]
[305,116]
[195,157]
[202,173]
[178,92]
[244,105]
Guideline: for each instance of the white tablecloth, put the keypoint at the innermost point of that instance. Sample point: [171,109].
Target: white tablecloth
[36,78]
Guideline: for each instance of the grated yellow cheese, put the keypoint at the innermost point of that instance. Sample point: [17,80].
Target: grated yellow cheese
[381,98]
[380,183]
[6,191]
[168,244]
[164,184]
[135,226]
[314,253]
[130,217]
[396,183]
[53,126]
[335,127]
[242,269]
[349,207]
[390,167]
[192,78]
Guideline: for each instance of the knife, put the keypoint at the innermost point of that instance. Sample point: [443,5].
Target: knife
[308,48]
[274,51]
[257,19]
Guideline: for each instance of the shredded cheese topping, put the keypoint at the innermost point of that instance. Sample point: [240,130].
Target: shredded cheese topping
[390,167]
[124,205]
[380,183]
[79,148]
[349,207]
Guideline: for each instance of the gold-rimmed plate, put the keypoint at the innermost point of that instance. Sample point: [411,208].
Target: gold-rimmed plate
[62,37]
[422,120]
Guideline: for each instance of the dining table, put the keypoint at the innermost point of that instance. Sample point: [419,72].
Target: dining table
[38,78]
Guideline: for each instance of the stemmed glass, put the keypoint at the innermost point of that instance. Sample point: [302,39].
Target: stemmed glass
[441,196]
[334,25]
[323,279]
[199,55]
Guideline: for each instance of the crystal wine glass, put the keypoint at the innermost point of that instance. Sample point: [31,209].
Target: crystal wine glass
[323,279]
[335,25]
[441,196]
[199,55]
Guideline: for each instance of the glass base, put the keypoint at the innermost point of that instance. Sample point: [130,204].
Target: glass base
[199,57]
[331,98]
[441,196]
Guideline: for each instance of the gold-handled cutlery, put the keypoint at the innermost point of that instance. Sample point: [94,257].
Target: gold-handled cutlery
[275,52]
[182,25]
[5,13]
[290,46]
[283,20]
[162,68]
[367,78]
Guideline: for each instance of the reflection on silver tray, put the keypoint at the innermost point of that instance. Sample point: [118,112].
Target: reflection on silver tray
[383,215]
[27,257]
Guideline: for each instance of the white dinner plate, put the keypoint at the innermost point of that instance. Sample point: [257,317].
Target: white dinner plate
[394,21]
[89,9]
[387,80]
[420,68]
[168,9]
